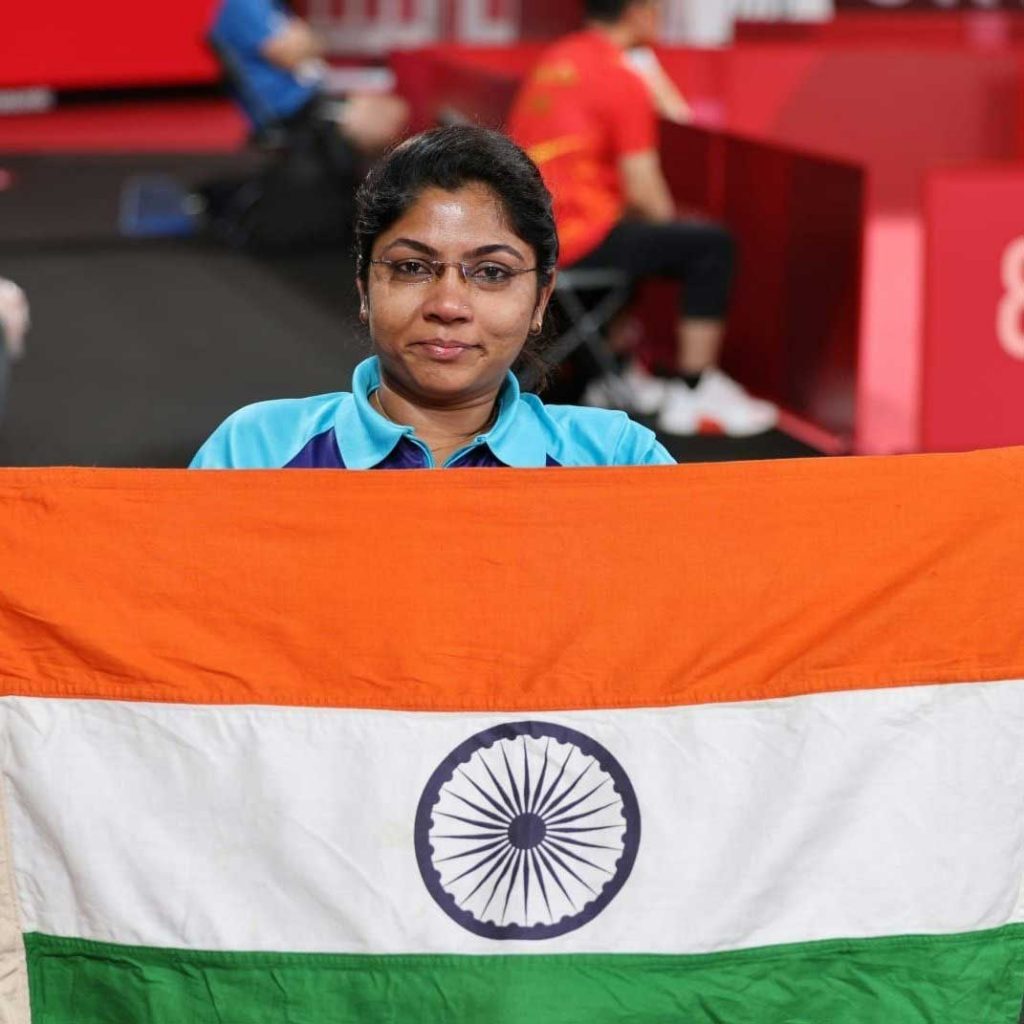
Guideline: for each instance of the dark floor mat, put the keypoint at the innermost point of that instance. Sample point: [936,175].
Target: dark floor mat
[72,197]
[772,445]
[139,349]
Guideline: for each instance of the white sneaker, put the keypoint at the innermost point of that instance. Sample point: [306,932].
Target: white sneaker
[642,392]
[717,405]
[648,391]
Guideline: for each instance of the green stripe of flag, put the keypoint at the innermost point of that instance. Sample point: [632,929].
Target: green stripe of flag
[957,979]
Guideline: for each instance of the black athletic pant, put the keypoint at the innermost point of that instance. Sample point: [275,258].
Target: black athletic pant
[311,128]
[699,253]
[302,197]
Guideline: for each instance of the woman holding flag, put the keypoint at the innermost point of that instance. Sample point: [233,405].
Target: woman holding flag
[456,250]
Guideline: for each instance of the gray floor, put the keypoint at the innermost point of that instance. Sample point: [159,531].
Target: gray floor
[138,351]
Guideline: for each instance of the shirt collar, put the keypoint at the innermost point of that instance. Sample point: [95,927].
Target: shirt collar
[517,438]
[365,438]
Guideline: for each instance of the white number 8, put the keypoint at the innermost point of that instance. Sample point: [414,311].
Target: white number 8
[1009,327]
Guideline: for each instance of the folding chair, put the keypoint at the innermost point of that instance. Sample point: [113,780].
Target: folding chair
[586,322]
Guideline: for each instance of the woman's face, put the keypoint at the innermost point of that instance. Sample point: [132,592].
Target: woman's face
[447,341]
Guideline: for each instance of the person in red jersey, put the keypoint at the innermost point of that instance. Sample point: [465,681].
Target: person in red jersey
[588,116]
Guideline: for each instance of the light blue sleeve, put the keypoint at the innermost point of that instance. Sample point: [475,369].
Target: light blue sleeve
[580,436]
[266,435]
[639,446]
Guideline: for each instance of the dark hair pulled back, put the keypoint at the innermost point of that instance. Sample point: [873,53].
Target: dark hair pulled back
[608,11]
[450,158]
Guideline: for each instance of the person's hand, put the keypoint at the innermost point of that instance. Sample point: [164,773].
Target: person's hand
[371,122]
[14,317]
[292,44]
[677,110]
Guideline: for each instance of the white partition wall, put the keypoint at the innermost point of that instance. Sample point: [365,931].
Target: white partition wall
[376,26]
[487,21]
[710,22]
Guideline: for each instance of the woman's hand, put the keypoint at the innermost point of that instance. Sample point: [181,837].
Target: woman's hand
[14,317]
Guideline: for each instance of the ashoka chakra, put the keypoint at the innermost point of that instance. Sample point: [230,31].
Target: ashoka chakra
[527,831]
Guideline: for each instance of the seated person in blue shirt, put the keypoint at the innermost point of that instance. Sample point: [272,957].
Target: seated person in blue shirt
[456,252]
[276,67]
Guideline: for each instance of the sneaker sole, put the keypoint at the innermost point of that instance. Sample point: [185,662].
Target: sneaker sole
[706,427]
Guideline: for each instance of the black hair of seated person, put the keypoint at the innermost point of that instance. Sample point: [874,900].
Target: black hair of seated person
[450,158]
[608,11]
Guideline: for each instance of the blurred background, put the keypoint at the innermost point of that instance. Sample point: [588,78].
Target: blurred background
[868,155]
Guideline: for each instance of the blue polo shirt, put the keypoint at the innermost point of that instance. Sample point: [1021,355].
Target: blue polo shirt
[267,92]
[344,431]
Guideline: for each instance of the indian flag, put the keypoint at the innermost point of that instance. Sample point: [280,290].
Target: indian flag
[728,743]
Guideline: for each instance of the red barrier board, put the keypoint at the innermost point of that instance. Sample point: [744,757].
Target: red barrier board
[794,327]
[975,27]
[973,365]
[899,110]
[71,45]
[940,7]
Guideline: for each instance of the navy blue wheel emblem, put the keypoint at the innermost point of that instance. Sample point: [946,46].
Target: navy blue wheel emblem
[526,831]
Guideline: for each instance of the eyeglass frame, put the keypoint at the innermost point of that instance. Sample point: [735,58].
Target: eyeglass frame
[438,267]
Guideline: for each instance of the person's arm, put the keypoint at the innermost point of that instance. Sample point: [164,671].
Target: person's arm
[632,124]
[638,446]
[668,99]
[266,435]
[292,45]
[644,187]
[14,318]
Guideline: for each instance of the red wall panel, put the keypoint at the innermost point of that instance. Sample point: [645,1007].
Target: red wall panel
[544,19]
[973,27]
[68,44]
[898,111]
[973,372]
[794,328]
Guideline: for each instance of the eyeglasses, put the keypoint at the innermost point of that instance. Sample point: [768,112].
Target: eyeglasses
[487,275]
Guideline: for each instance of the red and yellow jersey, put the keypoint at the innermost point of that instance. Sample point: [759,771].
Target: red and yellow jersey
[581,110]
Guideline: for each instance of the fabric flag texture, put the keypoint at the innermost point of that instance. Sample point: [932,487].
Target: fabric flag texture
[721,743]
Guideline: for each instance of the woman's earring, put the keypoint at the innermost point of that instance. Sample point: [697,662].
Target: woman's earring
[537,328]
[363,315]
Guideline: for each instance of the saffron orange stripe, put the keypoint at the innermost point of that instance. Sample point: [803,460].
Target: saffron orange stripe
[509,590]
